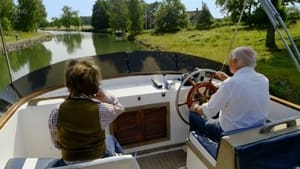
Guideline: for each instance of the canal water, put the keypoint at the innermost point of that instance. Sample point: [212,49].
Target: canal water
[63,45]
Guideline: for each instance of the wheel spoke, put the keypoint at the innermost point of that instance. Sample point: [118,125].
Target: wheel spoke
[181,104]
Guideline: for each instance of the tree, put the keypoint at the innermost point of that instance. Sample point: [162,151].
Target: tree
[150,10]
[31,14]
[76,21]
[86,20]
[44,23]
[171,16]
[66,17]
[70,18]
[56,22]
[118,15]
[100,18]
[270,39]
[205,19]
[6,9]
[135,12]
[293,13]
[253,13]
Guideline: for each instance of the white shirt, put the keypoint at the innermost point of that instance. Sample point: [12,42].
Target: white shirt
[242,100]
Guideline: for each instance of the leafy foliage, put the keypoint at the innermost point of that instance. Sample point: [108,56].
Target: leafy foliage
[6,9]
[31,13]
[86,20]
[171,16]
[135,12]
[254,15]
[118,15]
[100,18]
[293,13]
[205,19]
[56,22]
[150,10]
[69,17]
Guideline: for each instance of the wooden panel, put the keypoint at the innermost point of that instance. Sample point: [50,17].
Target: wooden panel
[141,125]
[126,128]
[155,123]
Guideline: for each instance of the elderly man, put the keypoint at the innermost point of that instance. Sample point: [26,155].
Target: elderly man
[242,100]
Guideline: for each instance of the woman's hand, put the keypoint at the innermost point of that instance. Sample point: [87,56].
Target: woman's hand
[100,95]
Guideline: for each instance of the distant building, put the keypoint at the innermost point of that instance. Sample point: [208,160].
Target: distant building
[193,16]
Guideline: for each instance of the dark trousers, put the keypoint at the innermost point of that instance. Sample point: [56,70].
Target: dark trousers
[206,126]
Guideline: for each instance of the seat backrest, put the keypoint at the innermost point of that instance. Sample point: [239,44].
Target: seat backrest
[36,163]
[280,152]
[273,146]
[116,162]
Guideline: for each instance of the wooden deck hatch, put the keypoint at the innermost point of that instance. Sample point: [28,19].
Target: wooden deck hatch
[142,124]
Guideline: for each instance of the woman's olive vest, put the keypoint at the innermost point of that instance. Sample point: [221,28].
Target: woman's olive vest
[79,131]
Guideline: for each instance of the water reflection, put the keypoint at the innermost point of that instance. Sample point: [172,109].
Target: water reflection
[150,65]
[29,59]
[112,64]
[106,43]
[152,61]
[42,75]
[63,46]
[4,72]
[70,40]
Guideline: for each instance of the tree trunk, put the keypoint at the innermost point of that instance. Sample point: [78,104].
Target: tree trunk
[270,37]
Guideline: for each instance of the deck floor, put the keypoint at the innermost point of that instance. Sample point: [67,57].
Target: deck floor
[168,160]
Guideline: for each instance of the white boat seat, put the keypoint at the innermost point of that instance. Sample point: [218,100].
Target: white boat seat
[210,146]
[30,163]
[115,162]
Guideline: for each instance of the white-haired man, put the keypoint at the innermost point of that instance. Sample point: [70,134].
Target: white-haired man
[242,100]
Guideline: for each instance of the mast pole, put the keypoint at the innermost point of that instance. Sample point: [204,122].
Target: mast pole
[6,53]
[7,61]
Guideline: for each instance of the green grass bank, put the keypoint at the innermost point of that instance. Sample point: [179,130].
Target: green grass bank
[215,44]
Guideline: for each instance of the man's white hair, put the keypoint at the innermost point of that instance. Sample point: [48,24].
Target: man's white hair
[245,55]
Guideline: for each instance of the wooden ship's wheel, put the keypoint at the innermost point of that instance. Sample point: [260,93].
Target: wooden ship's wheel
[202,89]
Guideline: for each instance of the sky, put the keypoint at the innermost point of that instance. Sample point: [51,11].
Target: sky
[84,7]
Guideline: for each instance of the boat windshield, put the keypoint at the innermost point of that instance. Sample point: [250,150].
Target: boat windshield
[112,65]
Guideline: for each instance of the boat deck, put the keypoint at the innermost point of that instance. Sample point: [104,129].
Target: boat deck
[168,160]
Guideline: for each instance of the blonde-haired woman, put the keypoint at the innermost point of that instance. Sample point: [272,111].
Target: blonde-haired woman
[77,126]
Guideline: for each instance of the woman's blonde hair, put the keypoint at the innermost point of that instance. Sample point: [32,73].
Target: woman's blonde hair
[82,77]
